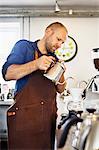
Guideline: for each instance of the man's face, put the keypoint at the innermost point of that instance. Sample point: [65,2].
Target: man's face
[55,39]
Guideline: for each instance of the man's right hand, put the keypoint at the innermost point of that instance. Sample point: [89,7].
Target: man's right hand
[44,62]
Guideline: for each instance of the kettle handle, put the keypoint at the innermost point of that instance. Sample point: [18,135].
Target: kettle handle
[73,119]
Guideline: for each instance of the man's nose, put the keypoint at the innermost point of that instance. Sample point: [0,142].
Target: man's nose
[59,44]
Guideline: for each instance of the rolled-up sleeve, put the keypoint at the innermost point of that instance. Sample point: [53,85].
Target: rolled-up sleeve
[17,56]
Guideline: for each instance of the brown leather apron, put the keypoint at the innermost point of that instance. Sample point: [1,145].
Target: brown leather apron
[32,119]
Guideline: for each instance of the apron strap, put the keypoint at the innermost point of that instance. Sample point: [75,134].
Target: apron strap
[36,55]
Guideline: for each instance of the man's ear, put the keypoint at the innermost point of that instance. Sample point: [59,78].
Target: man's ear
[48,32]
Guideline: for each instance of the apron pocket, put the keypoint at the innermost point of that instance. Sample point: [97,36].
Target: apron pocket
[30,117]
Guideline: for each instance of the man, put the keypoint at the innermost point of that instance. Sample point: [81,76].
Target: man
[32,119]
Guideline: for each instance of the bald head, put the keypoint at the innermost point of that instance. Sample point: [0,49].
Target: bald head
[56,25]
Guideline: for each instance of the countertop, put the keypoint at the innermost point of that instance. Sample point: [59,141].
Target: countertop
[7,102]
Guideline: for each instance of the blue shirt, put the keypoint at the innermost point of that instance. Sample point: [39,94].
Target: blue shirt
[22,52]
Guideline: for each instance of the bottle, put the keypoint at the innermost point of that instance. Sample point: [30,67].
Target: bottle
[0,88]
[0,91]
[10,95]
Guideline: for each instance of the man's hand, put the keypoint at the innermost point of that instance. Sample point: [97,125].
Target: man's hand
[44,62]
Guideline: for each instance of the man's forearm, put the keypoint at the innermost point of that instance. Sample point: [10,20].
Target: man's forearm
[15,72]
[60,87]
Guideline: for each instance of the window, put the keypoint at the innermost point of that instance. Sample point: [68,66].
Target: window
[10,32]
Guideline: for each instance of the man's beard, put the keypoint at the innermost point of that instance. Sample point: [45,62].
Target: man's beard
[48,48]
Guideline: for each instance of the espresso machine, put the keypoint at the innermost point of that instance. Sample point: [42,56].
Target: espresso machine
[89,131]
[91,91]
[81,126]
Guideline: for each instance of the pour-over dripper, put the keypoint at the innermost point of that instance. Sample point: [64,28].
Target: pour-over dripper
[76,93]
[76,103]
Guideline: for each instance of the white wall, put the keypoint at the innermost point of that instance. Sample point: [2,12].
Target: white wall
[84,30]
[86,33]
